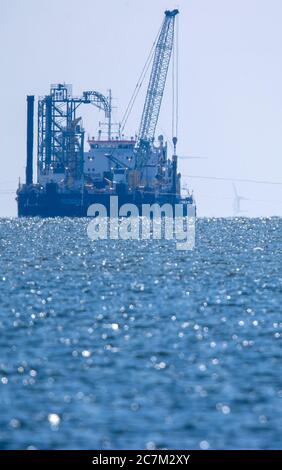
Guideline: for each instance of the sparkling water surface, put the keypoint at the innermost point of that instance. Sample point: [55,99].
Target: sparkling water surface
[133,344]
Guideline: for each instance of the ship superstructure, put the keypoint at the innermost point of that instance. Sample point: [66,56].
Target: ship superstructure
[136,169]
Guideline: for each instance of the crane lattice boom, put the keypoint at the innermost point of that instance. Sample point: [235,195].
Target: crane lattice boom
[157,80]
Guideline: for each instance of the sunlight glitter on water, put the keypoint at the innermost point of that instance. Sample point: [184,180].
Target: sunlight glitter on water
[127,344]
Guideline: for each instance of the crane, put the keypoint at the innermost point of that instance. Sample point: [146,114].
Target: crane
[155,89]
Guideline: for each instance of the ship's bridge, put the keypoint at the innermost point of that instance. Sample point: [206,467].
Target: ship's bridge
[104,155]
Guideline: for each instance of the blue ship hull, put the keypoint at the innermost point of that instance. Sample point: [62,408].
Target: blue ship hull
[48,202]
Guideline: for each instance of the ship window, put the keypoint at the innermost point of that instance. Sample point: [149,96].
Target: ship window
[124,146]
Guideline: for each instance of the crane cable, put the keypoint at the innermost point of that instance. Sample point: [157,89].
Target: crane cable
[175,83]
[177,74]
[139,83]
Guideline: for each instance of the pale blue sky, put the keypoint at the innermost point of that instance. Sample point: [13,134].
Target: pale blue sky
[230,74]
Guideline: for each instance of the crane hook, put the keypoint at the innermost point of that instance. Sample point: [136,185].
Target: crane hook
[174,141]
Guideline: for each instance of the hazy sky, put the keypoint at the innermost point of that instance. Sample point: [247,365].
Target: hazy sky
[230,84]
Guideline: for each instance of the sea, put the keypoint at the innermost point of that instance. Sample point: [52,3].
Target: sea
[128,344]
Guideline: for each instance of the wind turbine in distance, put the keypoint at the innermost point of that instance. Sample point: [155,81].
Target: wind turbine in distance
[186,189]
[237,201]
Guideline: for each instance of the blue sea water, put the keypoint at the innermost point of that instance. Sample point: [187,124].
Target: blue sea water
[128,344]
